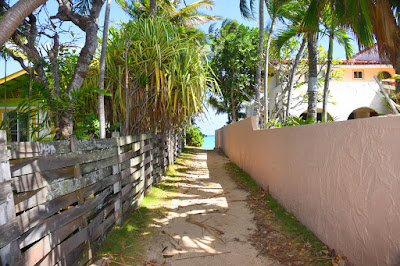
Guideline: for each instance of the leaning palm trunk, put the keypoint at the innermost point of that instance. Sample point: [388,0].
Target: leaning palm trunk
[293,74]
[257,105]
[327,78]
[266,62]
[312,75]
[102,117]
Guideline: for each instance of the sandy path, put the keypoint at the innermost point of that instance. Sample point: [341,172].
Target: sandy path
[210,197]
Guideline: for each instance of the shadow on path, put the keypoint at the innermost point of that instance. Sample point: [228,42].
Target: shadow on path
[208,222]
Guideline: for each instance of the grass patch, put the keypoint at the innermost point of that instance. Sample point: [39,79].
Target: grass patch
[292,238]
[125,244]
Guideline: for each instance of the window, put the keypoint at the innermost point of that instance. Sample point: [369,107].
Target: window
[18,125]
[358,74]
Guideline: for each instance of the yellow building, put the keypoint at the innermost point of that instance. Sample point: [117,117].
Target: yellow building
[20,125]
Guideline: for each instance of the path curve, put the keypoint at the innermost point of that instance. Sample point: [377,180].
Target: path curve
[210,216]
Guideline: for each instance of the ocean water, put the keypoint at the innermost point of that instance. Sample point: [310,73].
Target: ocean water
[209,142]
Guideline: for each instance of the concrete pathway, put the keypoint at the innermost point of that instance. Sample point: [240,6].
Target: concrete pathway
[209,222]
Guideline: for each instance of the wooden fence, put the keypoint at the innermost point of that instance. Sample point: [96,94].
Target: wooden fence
[59,199]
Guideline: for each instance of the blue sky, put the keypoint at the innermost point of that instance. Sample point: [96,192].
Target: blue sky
[207,122]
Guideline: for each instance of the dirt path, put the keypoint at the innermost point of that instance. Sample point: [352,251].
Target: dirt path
[208,216]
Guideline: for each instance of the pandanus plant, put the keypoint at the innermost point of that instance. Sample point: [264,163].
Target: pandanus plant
[168,76]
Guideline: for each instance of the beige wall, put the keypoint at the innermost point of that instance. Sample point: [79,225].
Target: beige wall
[368,72]
[342,179]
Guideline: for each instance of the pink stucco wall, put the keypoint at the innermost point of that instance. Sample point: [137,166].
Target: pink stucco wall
[341,180]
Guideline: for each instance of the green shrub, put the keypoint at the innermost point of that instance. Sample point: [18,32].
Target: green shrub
[88,127]
[194,137]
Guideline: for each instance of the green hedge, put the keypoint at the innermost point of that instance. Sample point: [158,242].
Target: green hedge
[194,137]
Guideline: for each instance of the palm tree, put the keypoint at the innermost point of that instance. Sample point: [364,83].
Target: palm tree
[294,17]
[15,15]
[247,11]
[188,16]
[333,30]
[310,24]
[380,20]
[102,118]
[312,39]
[276,11]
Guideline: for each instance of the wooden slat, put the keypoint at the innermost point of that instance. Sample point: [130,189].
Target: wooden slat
[46,163]
[131,139]
[5,191]
[101,185]
[36,215]
[128,140]
[9,232]
[38,180]
[89,167]
[56,221]
[30,199]
[41,148]
[132,178]
[5,174]
[148,170]
[73,184]
[62,250]
[147,160]
[128,171]
[96,144]
[125,190]
[132,162]
[145,148]
[99,230]
[126,156]
[36,253]
[3,152]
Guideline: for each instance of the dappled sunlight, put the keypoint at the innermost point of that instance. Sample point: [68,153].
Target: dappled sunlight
[206,217]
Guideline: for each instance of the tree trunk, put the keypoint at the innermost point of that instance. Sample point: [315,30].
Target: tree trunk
[127,102]
[65,127]
[327,79]
[15,15]
[233,106]
[397,69]
[152,8]
[84,60]
[233,98]
[266,63]
[312,75]
[102,118]
[257,104]
[293,74]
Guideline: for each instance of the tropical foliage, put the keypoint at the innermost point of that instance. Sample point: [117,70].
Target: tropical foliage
[38,46]
[234,64]
[194,137]
[188,16]
[157,78]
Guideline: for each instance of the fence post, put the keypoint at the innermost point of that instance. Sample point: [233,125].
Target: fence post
[117,185]
[10,252]
[79,193]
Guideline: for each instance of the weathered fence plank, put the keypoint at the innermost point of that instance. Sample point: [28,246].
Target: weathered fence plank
[38,180]
[58,161]
[62,197]
[9,232]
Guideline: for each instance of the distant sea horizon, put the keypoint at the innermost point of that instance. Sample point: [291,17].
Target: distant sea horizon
[209,142]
